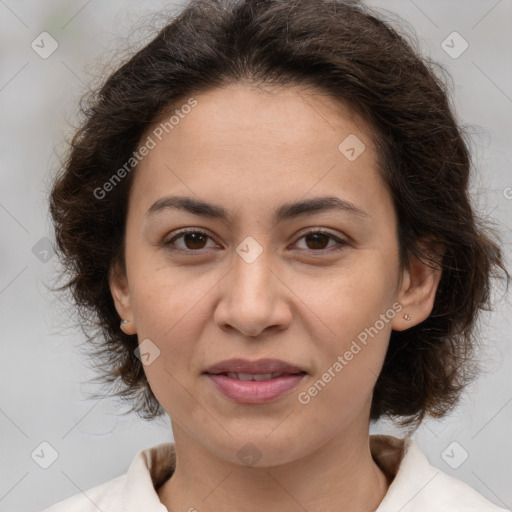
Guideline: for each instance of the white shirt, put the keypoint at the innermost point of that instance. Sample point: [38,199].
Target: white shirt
[417,486]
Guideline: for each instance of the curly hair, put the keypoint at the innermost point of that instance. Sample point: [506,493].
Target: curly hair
[347,51]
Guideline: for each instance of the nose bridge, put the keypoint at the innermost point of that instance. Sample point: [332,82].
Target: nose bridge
[252,275]
[250,298]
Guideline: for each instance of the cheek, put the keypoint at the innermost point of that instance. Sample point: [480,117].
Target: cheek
[163,295]
[355,308]
[170,316]
[170,309]
[350,357]
[353,297]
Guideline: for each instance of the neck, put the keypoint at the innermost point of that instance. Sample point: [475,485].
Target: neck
[341,475]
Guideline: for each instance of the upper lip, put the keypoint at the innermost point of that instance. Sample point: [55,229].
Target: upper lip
[254,367]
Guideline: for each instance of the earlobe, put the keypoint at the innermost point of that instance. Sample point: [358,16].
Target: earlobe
[418,291]
[120,293]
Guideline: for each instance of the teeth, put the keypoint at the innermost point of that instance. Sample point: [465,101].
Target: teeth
[251,376]
[244,376]
[265,376]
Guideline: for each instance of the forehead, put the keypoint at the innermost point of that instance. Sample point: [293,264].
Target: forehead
[255,143]
[294,112]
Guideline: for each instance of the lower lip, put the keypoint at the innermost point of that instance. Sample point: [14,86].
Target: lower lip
[255,392]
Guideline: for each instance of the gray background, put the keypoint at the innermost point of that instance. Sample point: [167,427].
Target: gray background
[43,373]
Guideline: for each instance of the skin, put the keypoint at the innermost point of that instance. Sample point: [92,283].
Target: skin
[251,150]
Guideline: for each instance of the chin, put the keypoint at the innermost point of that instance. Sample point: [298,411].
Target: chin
[260,449]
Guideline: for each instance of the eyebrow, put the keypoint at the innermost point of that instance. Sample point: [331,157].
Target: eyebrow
[285,212]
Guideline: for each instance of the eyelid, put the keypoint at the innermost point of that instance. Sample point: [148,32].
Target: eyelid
[323,231]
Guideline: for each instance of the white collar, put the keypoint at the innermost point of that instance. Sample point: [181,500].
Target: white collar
[416,486]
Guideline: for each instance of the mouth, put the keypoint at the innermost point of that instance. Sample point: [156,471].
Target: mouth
[247,369]
[260,388]
[259,377]
[254,382]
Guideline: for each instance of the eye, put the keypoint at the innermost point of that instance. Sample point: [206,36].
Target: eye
[317,240]
[193,239]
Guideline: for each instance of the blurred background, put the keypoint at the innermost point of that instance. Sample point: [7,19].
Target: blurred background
[55,440]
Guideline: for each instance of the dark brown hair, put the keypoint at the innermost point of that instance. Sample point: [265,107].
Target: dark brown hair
[342,49]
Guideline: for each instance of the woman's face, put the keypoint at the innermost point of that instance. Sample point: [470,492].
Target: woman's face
[252,283]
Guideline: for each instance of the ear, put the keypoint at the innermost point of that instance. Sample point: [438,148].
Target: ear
[418,287]
[119,288]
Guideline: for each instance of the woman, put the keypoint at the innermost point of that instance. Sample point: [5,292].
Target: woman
[266,209]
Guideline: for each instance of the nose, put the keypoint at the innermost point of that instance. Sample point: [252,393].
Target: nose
[254,298]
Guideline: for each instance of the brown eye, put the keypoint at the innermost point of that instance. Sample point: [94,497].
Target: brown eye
[318,240]
[193,240]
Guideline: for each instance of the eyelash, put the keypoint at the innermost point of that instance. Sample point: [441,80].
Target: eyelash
[183,232]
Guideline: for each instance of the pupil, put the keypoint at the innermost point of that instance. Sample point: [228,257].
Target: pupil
[195,239]
[316,238]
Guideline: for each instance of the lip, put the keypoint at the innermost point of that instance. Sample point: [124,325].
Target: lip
[255,392]
[239,365]
[250,391]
